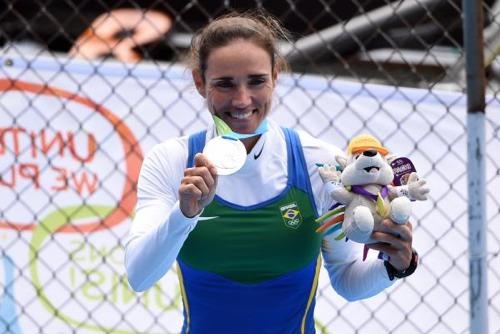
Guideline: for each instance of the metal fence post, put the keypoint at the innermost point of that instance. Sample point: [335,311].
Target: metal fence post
[476,164]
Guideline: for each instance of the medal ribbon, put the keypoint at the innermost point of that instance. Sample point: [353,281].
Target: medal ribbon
[225,131]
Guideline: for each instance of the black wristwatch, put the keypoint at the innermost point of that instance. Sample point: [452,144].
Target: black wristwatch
[393,272]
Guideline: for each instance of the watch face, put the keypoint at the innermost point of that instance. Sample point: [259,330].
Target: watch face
[227,154]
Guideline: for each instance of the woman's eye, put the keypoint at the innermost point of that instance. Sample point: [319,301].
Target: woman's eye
[256,82]
[224,84]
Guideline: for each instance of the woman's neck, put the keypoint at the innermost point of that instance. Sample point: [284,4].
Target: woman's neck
[250,142]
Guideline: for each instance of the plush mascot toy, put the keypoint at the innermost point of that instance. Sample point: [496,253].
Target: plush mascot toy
[365,185]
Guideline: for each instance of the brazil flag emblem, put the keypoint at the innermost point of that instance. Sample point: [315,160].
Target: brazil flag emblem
[291,215]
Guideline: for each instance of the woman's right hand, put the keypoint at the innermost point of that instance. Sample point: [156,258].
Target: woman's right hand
[198,186]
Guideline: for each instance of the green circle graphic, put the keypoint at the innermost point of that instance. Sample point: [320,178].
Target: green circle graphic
[50,225]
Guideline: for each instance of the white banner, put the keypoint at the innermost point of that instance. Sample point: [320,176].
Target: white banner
[72,138]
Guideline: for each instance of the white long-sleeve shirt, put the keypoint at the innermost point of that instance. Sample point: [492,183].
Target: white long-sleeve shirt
[159,228]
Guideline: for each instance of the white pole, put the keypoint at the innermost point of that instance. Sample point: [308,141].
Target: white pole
[476,164]
[477,223]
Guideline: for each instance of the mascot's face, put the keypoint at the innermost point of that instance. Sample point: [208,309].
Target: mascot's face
[368,167]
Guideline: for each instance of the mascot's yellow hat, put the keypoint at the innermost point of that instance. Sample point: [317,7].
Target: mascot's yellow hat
[365,142]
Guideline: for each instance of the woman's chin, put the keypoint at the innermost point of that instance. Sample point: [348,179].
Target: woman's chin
[242,126]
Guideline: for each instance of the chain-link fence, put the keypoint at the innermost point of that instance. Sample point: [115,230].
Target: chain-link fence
[84,95]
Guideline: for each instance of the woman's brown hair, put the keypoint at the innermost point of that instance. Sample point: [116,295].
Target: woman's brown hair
[256,26]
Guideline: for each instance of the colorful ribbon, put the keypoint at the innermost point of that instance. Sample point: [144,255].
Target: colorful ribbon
[225,131]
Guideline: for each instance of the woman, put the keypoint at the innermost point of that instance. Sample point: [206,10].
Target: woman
[248,253]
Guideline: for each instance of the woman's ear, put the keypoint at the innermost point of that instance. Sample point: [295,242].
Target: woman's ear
[275,77]
[199,82]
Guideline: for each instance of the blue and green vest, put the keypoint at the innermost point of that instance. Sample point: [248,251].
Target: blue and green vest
[253,269]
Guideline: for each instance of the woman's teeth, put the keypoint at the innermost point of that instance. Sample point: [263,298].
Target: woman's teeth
[241,115]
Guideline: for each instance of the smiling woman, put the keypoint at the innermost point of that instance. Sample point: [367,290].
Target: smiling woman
[235,64]
[238,86]
[246,243]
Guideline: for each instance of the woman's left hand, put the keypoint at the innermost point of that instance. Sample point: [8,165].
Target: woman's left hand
[394,240]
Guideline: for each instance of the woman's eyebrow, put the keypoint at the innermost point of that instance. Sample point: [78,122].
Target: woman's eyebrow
[222,78]
[250,76]
[258,76]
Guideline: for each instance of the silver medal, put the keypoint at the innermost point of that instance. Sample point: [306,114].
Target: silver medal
[228,155]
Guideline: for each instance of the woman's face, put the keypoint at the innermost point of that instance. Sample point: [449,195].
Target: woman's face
[239,83]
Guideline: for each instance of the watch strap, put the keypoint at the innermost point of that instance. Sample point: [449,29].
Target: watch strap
[394,273]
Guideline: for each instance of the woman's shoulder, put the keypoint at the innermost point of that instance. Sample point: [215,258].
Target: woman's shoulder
[175,150]
[162,167]
[172,151]
[318,150]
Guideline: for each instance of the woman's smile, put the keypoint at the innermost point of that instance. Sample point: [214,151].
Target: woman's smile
[240,115]
[238,85]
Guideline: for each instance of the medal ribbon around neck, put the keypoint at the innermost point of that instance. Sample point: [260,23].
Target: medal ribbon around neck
[226,151]
[225,131]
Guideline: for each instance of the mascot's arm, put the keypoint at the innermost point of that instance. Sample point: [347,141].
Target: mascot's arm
[416,189]
[331,179]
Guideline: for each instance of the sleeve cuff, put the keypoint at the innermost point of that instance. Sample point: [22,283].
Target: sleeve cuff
[180,222]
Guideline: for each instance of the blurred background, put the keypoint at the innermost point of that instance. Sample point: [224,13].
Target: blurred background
[89,87]
[416,43]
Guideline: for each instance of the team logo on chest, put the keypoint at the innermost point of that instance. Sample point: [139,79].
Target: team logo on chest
[291,215]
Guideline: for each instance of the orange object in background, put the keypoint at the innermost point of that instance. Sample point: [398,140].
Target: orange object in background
[119,32]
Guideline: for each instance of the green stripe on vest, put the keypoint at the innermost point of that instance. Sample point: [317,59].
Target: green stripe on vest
[257,245]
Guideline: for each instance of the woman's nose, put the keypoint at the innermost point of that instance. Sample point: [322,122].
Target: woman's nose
[242,97]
